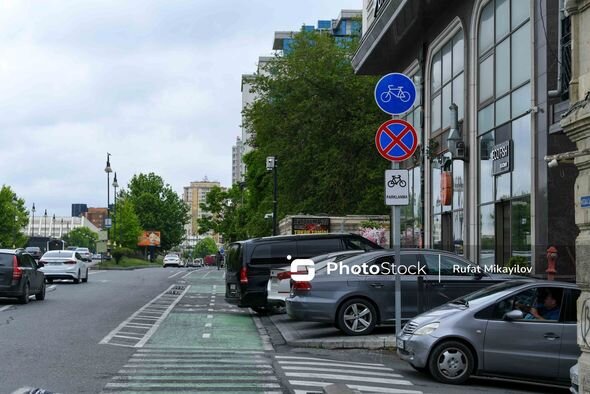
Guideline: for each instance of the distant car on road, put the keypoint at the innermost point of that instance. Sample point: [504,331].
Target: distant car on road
[171,259]
[85,253]
[198,262]
[20,276]
[64,264]
[34,251]
[519,329]
[357,302]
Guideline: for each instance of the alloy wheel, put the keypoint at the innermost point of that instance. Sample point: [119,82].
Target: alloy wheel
[357,317]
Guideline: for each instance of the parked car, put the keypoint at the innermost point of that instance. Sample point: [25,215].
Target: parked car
[171,259]
[34,251]
[523,329]
[248,263]
[279,285]
[64,264]
[357,302]
[210,260]
[198,262]
[20,276]
[85,254]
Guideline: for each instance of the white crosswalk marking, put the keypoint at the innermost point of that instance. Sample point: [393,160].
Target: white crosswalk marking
[195,370]
[306,374]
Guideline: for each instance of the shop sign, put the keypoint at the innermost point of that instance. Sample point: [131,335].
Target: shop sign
[501,156]
[310,225]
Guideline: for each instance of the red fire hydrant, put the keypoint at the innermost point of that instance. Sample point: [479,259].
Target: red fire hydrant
[551,260]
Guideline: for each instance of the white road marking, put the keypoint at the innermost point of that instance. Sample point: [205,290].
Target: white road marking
[208,325]
[346,371]
[95,272]
[368,389]
[209,316]
[187,275]
[348,378]
[206,335]
[51,288]
[172,276]
[5,308]
[331,364]
[327,360]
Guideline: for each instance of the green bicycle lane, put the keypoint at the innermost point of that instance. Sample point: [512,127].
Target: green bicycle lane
[203,345]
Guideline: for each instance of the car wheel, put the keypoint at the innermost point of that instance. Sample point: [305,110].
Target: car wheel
[261,310]
[451,362]
[77,280]
[40,296]
[24,298]
[357,317]
[47,280]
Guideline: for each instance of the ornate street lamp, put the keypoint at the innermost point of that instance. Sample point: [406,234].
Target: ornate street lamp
[33,221]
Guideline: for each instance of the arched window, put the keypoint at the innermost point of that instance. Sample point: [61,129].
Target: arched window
[503,122]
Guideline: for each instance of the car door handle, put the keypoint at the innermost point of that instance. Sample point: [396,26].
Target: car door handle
[551,336]
[377,285]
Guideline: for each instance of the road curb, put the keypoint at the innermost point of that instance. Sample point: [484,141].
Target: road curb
[293,338]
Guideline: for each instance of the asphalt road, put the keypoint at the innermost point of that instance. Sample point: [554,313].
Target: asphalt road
[169,330]
[54,344]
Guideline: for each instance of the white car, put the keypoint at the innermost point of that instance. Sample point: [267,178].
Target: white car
[172,260]
[64,264]
[85,253]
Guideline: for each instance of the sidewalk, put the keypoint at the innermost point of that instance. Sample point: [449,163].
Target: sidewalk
[326,336]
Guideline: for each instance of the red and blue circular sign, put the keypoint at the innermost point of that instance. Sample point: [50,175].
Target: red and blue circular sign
[396,140]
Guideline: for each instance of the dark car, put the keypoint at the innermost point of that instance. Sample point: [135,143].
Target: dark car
[356,302]
[248,263]
[34,251]
[20,276]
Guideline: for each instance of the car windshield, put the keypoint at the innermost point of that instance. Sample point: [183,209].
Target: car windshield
[492,290]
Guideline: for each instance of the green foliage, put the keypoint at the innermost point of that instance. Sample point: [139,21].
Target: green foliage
[205,247]
[227,213]
[158,208]
[82,237]
[319,119]
[126,228]
[13,218]
[119,253]
[518,261]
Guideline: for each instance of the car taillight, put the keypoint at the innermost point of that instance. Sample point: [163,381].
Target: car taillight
[302,286]
[284,275]
[70,262]
[244,276]
[17,273]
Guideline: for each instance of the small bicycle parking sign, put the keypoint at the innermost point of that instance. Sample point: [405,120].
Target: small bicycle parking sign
[395,93]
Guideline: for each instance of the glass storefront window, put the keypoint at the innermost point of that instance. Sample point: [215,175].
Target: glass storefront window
[436,232]
[486,28]
[435,114]
[503,67]
[458,53]
[520,12]
[436,204]
[502,18]
[487,241]
[458,184]
[521,100]
[459,94]
[503,110]
[521,138]
[458,244]
[521,228]
[486,79]
[485,119]
[436,72]
[486,180]
[520,62]
[503,186]
[447,60]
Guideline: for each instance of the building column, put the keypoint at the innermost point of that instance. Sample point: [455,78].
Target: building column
[576,125]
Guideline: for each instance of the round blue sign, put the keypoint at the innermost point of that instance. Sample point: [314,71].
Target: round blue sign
[395,93]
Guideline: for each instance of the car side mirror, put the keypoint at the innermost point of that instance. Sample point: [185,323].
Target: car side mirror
[40,264]
[515,314]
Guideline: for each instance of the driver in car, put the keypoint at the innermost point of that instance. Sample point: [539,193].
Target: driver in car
[548,310]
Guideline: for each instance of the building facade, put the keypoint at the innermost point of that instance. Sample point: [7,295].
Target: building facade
[56,226]
[97,216]
[497,61]
[194,195]
[237,151]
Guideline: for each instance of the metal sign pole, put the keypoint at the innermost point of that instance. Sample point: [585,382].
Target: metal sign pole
[395,244]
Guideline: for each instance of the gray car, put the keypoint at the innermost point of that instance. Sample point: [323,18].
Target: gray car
[357,302]
[520,329]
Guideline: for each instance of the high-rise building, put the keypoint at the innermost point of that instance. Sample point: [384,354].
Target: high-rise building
[237,175]
[193,196]
[79,209]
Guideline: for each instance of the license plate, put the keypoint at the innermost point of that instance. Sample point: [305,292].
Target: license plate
[232,286]
[400,344]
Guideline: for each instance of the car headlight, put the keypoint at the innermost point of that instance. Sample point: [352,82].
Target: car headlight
[427,329]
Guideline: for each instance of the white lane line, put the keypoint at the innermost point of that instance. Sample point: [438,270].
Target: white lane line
[208,325]
[164,386]
[348,378]
[5,308]
[172,276]
[139,334]
[125,336]
[340,370]
[133,316]
[326,360]
[332,365]
[140,324]
[187,275]
[51,288]
[204,276]
[95,272]
[153,329]
[368,389]
[206,335]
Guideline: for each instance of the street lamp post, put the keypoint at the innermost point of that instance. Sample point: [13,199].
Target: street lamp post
[108,170]
[115,186]
[45,223]
[33,221]
[15,202]
[61,228]
[52,225]
[271,165]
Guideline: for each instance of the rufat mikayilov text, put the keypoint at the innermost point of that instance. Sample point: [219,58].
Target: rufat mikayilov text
[492,269]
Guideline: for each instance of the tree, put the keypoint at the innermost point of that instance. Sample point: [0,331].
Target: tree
[127,228]
[158,208]
[226,213]
[205,247]
[82,237]
[319,119]
[13,218]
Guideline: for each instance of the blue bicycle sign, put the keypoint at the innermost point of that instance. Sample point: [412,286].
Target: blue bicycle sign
[395,93]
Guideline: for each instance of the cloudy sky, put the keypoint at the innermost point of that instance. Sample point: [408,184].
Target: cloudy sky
[154,83]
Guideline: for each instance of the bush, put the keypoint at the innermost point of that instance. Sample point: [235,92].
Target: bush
[119,253]
[518,261]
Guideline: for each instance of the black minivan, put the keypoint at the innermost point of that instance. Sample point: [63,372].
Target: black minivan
[20,276]
[248,263]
